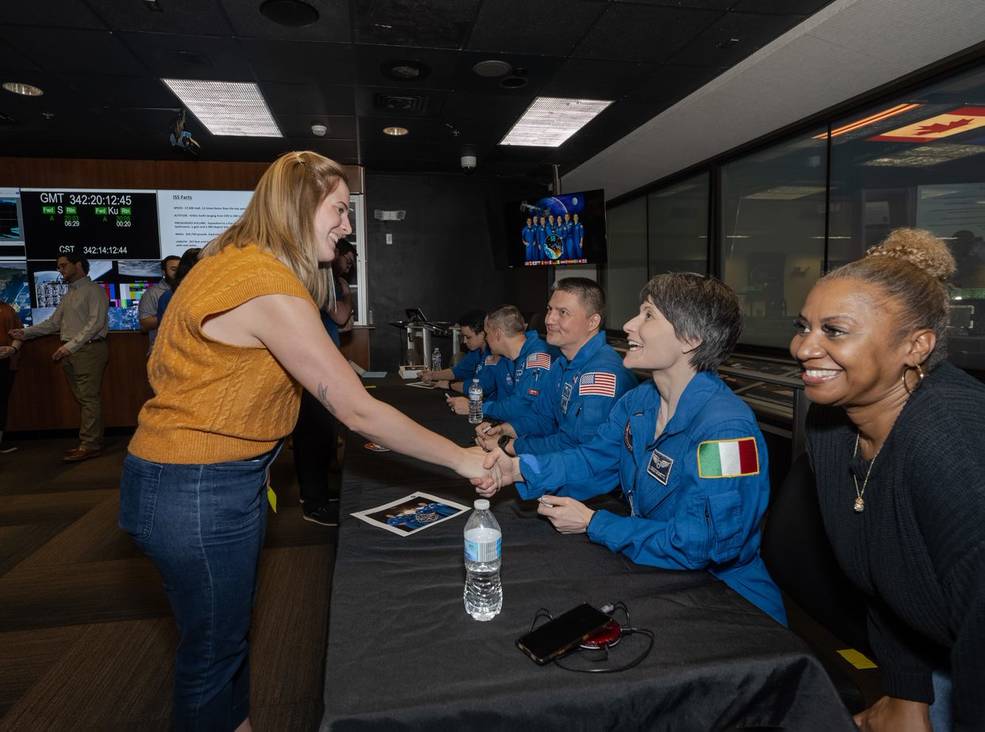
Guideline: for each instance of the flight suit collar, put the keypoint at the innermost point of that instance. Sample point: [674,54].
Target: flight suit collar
[698,391]
[592,346]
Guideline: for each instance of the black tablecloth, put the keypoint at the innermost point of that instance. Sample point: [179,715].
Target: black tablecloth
[403,653]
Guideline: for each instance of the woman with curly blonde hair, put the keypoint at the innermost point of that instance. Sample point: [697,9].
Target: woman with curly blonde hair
[896,437]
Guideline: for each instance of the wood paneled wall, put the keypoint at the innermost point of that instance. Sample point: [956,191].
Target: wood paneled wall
[41,398]
[191,174]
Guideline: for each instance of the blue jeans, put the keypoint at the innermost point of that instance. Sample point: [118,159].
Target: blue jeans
[941,717]
[203,527]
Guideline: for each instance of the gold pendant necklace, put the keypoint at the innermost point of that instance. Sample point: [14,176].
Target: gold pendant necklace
[859,500]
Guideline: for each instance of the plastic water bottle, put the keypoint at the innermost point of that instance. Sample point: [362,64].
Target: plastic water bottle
[475,402]
[436,359]
[483,557]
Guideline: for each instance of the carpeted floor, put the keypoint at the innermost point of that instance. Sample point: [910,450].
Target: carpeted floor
[86,634]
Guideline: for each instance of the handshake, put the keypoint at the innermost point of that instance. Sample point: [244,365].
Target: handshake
[494,443]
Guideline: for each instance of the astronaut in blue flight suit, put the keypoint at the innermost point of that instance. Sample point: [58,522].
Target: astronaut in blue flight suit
[541,239]
[577,238]
[473,365]
[528,235]
[688,452]
[584,383]
[567,232]
[524,359]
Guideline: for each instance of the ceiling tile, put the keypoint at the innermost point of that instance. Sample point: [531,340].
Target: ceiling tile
[330,63]
[74,51]
[643,33]
[548,27]
[424,23]
[332,25]
[169,56]
[309,98]
[60,13]
[195,17]
[598,79]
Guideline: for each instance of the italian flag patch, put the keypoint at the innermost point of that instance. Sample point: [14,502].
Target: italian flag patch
[728,458]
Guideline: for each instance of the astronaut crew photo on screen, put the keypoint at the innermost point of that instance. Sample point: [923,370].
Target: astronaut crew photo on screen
[554,230]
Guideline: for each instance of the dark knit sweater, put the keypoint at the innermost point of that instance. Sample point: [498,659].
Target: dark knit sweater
[917,551]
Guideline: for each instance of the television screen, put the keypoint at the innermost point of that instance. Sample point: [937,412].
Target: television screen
[114,224]
[565,229]
[14,289]
[124,283]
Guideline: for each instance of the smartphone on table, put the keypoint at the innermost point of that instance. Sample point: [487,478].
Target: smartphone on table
[558,636]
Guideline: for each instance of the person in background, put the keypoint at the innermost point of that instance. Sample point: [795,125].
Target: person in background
[81,321]
[315,439]
[688,452]
[10,347]
[241,338]
[147,309]
[524,359]
[584,383]
[188,260]
[343,268]
[896,437]
[475,362]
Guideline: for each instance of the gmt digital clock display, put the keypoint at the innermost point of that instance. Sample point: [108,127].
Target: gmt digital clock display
[95,224]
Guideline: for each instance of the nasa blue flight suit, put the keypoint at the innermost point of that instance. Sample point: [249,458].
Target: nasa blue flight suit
[680,517]
[577,240]
[569,231]
[573,402]
[529,238]
[523,377]
[478,363]
[541,250]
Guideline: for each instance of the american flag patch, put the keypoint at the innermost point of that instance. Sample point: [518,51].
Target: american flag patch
[597,383]
[539,361]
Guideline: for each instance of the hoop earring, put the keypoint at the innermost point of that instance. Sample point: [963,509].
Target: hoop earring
[920,374]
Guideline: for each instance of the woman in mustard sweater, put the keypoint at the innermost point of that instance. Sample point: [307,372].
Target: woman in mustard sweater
[241,339]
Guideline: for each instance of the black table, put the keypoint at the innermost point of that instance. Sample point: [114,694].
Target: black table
[403,653]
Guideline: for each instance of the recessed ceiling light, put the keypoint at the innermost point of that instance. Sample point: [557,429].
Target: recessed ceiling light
[405,70]
[395,131]
[23,89]
[492,68]
[549,121]
[290,13]
[231,108]
[513,82]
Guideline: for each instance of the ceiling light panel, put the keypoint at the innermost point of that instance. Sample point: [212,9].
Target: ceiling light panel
[229,108]
[549,121]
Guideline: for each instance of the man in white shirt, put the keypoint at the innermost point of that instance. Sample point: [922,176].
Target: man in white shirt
[82,324]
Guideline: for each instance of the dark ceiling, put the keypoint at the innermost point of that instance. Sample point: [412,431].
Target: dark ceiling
[99,63]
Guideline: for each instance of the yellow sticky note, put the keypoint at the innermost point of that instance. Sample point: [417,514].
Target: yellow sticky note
[857,659]
[271,498]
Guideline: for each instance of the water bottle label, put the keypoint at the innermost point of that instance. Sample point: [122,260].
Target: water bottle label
[485,551]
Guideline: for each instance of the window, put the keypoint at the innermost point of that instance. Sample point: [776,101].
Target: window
[678,227]
[919,160]
[772,233]
[625,274]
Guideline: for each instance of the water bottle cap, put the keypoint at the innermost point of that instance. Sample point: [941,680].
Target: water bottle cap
[481,504]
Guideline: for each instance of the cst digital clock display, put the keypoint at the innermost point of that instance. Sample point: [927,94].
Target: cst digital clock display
[95,224]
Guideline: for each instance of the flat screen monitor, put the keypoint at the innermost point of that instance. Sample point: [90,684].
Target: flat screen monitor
[565,229]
